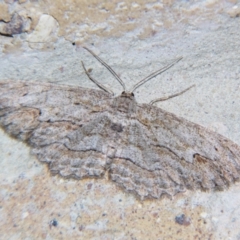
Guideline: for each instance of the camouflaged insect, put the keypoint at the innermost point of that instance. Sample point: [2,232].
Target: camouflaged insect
[83,133]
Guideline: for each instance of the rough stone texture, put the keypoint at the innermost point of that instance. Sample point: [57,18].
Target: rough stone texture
[44,30]
[135,39]
[16,25]
[5,15]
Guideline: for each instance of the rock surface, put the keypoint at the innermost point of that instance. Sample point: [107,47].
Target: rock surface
[135,39]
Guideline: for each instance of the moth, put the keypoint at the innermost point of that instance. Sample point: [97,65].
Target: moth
[85,133]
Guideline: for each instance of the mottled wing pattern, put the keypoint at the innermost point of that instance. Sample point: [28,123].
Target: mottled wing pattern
[56,121]
[166,154]
[83,133]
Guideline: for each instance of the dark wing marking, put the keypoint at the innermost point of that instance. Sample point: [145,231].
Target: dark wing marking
[167,154]
[47,117]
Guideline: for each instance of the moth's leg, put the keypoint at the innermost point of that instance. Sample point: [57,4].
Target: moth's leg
[96,82]
[171,96]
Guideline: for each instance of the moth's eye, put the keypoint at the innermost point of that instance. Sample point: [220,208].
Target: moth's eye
[123,92]
[132,94]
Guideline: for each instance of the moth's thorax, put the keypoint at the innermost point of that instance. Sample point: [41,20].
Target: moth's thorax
[125,103]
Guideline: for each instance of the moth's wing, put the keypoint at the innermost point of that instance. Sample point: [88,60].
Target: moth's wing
[165,154]
[47,117]
[149,152]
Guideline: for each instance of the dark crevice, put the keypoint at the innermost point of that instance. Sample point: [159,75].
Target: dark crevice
[6,35]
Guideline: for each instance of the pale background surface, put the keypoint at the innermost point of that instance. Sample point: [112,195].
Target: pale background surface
[42,42]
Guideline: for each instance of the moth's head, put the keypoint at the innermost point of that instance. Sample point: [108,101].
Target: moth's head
[125,103]
[129,95]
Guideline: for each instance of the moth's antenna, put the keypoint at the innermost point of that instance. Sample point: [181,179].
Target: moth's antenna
[108,67]
[172,96]
[154,74]
[96,82]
